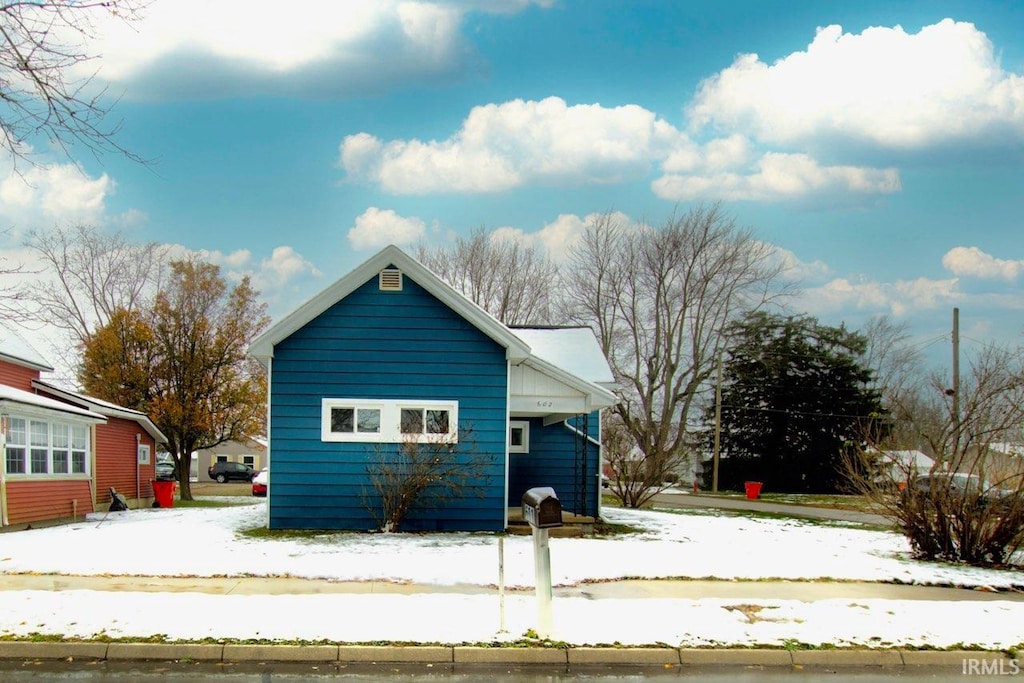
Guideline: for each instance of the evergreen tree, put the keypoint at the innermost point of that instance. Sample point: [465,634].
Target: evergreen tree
[794,395]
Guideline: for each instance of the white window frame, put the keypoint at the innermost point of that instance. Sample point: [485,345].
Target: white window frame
[390,420]
[76,452]
[525,446]
[143,453]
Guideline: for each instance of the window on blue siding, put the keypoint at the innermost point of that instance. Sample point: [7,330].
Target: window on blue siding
[369,420]
[350,419]
[388,421]
[425,421]
[343,420]
[518,436]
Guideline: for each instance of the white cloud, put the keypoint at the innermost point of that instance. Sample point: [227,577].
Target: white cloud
[190,48]
[973,262]
[796,270]
[777,176]
[883,85]
[277,277]
[41,196]
[559,236]
[380,227]
[898,298]
[517,143]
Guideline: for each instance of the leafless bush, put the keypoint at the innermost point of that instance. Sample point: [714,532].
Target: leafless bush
[636,477]
[969,505]
[418,474]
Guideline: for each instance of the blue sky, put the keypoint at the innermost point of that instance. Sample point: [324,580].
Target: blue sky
[877,145]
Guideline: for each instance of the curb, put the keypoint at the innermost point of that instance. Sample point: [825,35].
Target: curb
[469,655]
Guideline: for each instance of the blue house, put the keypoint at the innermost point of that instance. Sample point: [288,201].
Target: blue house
[391,353]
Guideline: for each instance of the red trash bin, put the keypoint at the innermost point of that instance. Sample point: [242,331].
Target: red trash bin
[163,491]
[753,489]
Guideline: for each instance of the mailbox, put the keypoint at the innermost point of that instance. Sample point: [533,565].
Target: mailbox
[541,508]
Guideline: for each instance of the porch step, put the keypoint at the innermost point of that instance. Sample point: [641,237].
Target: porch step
[573,526]
[524,529]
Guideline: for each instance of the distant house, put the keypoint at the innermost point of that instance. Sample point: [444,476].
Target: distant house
[251,452]
[63,451]
[390,353]
[902,465]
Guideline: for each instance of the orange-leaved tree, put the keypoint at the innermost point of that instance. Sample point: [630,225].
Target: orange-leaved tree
[184,362]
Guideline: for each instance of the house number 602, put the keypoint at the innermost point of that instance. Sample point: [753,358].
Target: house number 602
[545,404]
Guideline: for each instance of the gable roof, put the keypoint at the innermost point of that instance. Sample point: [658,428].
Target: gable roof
[20,397]
[104,408]
[515,348]
[573,349]
[15,349]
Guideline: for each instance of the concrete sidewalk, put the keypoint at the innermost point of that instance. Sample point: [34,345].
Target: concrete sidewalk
[515,654]
[634,589]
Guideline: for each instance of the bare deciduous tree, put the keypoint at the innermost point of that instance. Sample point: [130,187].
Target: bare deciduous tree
[512,282]
[89,275]
[659,299]
[635,479]
[42,44]
[13,299]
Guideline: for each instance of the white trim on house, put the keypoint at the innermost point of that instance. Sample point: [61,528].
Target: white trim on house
[105,408]
[524,445]
[388,421]
[21,401]
[515,348]
[582,397]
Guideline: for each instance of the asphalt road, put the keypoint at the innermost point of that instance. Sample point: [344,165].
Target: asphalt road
[706,501]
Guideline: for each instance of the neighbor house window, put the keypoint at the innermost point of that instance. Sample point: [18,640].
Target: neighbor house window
[61,448]
[249,460]
[388,421]
[518,436]
[41,448]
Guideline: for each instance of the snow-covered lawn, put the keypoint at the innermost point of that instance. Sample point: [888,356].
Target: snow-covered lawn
[203,542]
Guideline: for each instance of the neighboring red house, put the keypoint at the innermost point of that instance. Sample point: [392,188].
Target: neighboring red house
[125,433]
[63,451]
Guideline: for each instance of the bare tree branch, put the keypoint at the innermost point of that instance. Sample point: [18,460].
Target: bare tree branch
[659,300]
[512,282]
[41,45]
[92,274]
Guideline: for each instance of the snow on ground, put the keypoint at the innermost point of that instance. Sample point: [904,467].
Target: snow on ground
[202,542]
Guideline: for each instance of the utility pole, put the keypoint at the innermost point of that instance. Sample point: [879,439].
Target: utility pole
[718,427]
[956,368]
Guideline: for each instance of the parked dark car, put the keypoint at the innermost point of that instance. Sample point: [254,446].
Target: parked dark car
[231,471]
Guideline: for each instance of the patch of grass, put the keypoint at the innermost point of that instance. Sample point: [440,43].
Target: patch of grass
[603,529]
[821,500]
[262,532]
[761,514]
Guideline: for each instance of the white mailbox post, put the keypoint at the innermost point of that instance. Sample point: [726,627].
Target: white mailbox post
[542,509]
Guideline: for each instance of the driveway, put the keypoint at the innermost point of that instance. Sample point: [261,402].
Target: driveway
[690,500]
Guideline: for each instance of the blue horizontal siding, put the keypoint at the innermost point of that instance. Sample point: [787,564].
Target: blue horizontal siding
[382,345]
[553,461]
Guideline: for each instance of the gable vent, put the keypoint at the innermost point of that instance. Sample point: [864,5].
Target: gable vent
[390,280]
